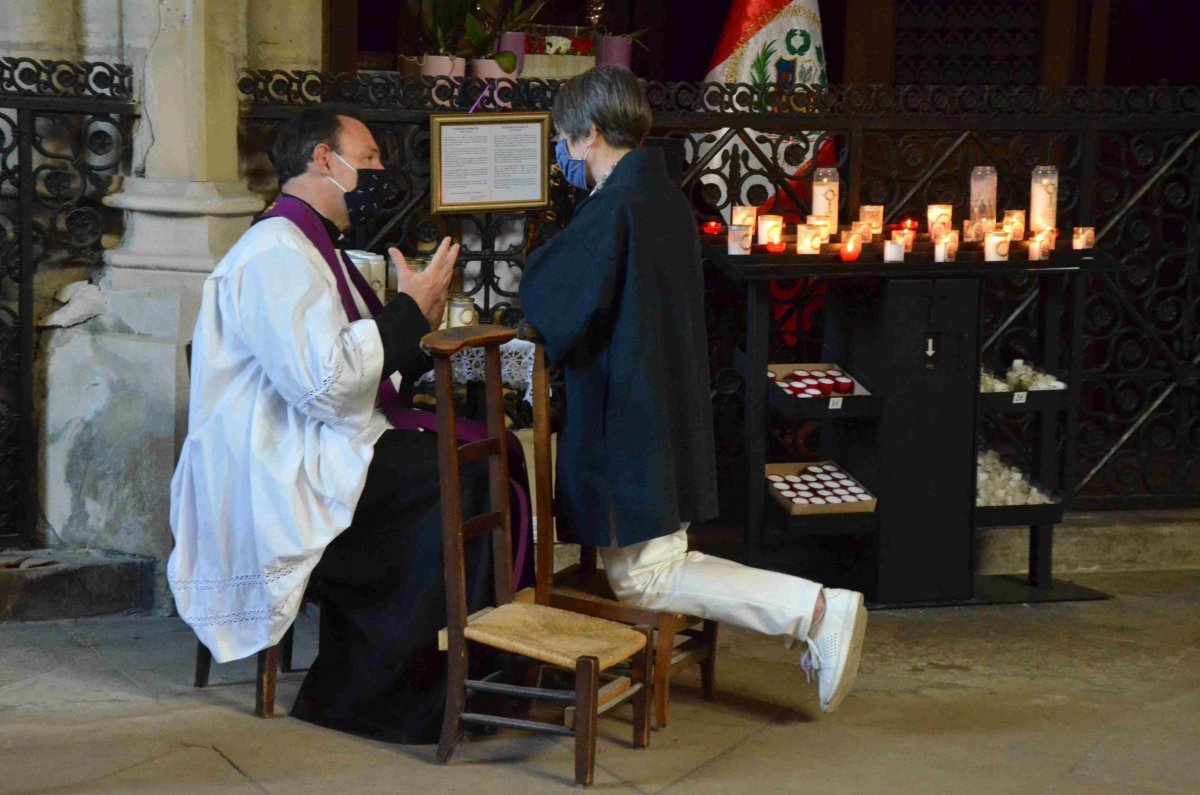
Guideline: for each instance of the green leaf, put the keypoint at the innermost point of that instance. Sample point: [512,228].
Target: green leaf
[507,61]
[476,33]
[761,63]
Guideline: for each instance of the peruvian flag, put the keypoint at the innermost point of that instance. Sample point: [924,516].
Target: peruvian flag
[771,43]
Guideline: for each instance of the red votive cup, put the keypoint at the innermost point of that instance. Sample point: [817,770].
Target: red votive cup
[825,385]
[843,385]
[711,228]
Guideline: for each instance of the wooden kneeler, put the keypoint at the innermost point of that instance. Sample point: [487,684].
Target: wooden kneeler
[586,645]
[585,589]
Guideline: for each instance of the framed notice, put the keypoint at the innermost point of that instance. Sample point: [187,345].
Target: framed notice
[497,161]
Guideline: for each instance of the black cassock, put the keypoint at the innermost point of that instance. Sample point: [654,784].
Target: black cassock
[378,671]
[618,297]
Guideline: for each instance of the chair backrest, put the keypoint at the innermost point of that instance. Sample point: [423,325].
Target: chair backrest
[456,532]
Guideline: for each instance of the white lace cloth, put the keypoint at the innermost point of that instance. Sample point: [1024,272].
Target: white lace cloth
[516,366]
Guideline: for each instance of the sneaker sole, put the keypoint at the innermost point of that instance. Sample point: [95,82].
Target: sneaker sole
[850,669]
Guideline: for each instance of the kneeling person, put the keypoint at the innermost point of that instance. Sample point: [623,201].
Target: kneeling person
[618,298]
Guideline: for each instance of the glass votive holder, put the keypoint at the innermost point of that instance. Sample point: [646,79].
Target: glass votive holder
[809,239]
[766,224]
[743,215]
[740,239]
[775,243]
[951,241]
[939,218]
[823,221]
[905,237]
[851,246]
[995,247]
[1014,224]
[863,228]
[1036,249]
[893,251]
[873,215]
[1083,237]
[939,250]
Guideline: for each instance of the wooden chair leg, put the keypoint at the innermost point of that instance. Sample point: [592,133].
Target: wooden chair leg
[708,666]
[642,699]
[456,700]
[286,647]
[587,685]
[264,695]
[203,665]
[664,650]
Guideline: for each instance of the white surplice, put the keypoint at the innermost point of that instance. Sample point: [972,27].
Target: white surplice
[282,425]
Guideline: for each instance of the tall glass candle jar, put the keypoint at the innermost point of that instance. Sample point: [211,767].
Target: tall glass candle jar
[983,198]
[1043,199]
[825,192]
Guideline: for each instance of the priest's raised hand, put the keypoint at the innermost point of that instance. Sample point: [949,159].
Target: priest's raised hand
[428,287]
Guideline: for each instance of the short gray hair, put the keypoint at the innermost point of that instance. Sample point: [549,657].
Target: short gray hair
[609,97]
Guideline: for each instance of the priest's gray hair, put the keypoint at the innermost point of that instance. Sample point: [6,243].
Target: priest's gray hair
[292,148]
[609,97]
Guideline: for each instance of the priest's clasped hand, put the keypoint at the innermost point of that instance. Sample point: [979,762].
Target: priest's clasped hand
[428,287]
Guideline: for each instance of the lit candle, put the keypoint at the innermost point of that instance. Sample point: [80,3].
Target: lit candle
[822,221]
[995,247]
[711,228]
[740,239]
[765,224]
[743,215]
[909,225]
[873,215]
[939,251]
[809,239]
[1014,224]
[863,228]
[893,251]
[825,193]
[775,243]
[951,241]
[851,246]
[940,219]
[983,194]
[1035,249]
[1043,199]
[1083,237]
[905,237]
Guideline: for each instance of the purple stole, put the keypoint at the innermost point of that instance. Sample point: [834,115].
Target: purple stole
[402,417]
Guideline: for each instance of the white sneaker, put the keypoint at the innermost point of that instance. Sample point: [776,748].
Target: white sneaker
[834,651]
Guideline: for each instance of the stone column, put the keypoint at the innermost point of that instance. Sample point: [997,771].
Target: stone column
[115,411]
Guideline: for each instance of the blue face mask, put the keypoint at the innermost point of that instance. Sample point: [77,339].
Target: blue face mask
[574,170]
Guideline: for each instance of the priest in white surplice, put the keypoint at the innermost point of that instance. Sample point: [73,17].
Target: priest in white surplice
[291,464]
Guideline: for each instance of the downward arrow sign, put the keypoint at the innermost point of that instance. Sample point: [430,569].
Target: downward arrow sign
[929,348]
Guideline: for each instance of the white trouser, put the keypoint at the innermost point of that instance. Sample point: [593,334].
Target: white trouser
[660,574]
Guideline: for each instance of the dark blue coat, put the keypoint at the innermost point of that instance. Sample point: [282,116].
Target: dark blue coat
[618,297]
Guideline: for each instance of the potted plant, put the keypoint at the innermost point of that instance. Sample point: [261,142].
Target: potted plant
[443,25]
[510,19]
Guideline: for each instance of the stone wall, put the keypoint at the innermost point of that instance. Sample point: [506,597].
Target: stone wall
[112,391]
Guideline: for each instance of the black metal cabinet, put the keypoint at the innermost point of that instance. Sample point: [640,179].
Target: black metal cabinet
[910,333]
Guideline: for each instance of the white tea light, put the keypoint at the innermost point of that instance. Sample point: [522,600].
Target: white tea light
[939,252]
[893,251]
[767,224]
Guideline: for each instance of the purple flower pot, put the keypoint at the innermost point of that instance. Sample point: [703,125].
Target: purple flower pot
[514,43]
[614,51]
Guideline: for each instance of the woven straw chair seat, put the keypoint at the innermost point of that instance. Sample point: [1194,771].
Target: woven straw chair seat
[554,636]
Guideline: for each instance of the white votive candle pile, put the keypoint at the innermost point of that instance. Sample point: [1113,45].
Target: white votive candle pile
[997,483]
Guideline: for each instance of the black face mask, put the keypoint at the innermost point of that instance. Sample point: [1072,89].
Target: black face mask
[373,191]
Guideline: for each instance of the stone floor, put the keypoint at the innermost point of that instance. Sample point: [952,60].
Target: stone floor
[1100,697]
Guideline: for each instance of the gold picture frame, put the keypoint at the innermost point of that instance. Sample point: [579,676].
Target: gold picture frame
[466,149]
